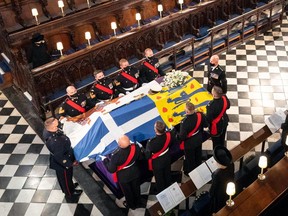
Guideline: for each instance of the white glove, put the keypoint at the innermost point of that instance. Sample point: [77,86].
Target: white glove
[121,95]
[127,92]
[139,144]
[143,84]
[99,103]
[102,157]
[63,120]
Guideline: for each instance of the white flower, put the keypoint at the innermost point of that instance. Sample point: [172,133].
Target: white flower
[174,78]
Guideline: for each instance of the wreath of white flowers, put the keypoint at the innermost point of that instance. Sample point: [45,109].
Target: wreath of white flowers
[174,78]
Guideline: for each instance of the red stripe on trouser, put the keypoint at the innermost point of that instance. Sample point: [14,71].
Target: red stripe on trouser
[66,183]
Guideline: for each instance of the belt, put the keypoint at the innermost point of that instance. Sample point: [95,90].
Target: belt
[128,165]
[164,152]
[195,133]
[131,88]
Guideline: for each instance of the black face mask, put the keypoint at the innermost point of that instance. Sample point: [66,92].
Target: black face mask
[101,80]
[212,65]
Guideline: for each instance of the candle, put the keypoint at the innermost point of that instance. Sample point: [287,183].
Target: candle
[59,46]
[181,1]
[160,9]
[34,12]
[138,18]
[114,26]
[88,3]
[60,4]
[88,37]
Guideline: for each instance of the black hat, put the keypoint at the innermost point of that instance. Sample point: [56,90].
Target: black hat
[222,155]
[37,37]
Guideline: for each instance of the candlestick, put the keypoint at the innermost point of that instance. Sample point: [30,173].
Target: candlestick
[61,6]
[262,164]
[160,9]
[88,37]
[60,47]
[35,14]
[181,3]
[114,27]
[138,18]
[230,190]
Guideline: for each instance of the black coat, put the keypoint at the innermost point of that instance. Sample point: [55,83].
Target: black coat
[126,83]
[38,55]
[96,93]
[61,152]
[217,76]
[66,110]
[118,158]
[187,125]
[220,178]
[214,108]
[147,75]
[155,145]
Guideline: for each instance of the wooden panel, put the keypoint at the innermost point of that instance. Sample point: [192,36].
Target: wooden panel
[64,37]
[104,25]
[128,17]
[79,34]
[149,9]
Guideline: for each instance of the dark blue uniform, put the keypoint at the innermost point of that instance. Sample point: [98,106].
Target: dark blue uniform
[147,75]
[129,177]
[125,83]
[97,94]
[193,144]
[162,164]
[67,110]
[61,159]
[217,76]
[214,108]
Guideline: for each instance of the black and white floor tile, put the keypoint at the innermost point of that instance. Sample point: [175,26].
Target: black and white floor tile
[257,74]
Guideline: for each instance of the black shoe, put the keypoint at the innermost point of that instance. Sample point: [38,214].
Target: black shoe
[77,193]
[75,185]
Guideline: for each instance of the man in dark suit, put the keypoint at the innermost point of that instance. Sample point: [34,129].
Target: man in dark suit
[191,132]
[123,164]
[150,67]
[216,75]
[157,153]
[220,178]
[62,157]
[217,117]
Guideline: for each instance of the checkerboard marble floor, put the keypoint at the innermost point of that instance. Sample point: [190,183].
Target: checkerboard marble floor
[257,73]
